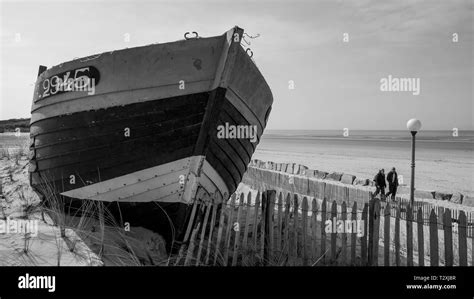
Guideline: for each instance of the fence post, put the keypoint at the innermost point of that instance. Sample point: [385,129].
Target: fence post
[207,206]
[219,232]
[286,235]
[397,236]
[270,218]
[334,232]
[228,233]
[246,230]
[235,255]
[323,231]
[448,239]
[304,222]
[421,240]
[386,234]
[471,227]
[344,234]
[279,223]
[295,229]
[353,235]
[371,218]
[214,201]
[409,220]
[434,258]
[440,217]
[363,246]
[470,232]
[188,232]
[269,208]
[462,239]
[192,244]
[314,221]
[262,227]
[374,224]
[255,226]
[376,231]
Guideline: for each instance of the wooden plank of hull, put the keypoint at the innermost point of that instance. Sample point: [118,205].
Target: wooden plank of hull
[245,111]
[227,162]
[146,145]
[127,158]
[96,143]
[123,187]
[230,116]
[212,182]
[119,146]
[222,170]
[161,110]
[235,159]
[160,183]
[168,193]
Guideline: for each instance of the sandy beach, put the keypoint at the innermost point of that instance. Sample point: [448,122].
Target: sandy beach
[85,241]
[443,163]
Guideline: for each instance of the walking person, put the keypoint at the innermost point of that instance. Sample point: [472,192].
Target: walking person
[392,179]
[380,184]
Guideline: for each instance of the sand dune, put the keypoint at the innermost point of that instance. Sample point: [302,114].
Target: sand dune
[84,240]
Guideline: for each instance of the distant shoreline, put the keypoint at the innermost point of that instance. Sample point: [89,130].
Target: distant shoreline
[424,135]
[368,138]
[10,125]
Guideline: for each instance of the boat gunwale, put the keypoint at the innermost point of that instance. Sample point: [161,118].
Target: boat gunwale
[94,56]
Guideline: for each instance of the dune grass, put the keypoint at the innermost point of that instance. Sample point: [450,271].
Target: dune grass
[97,227]
[90,233]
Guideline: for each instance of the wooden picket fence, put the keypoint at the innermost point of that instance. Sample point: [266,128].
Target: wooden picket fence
[270,229]
[295,179]
[440,211]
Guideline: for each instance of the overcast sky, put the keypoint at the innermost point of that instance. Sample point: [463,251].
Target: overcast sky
[336,83]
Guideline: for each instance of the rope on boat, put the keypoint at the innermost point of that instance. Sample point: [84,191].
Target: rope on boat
[249,36]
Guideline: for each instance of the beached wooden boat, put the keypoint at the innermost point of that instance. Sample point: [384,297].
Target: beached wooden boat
[140,127]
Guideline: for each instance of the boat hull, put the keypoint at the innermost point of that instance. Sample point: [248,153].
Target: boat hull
[149,150]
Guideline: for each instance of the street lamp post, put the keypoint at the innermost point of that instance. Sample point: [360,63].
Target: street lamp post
[413,125]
